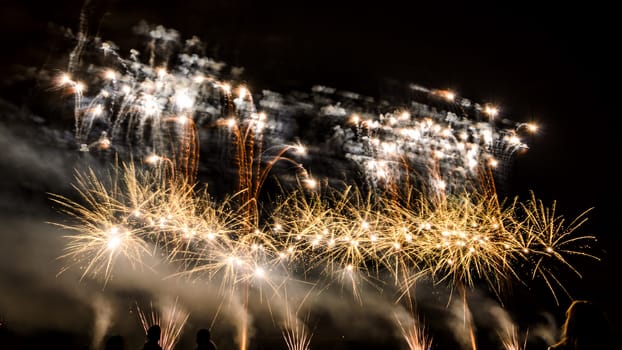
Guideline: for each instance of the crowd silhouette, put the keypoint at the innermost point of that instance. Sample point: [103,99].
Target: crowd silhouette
[585,326]
[203,340]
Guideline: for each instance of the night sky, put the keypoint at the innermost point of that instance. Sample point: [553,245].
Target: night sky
[555,65]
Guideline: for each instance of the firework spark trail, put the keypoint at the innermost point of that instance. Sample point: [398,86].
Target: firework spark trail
[510,340]
[335,237]
[156,109]
[145,106]
[171,320]
[462,239]
[139,211]
[253,165]
[545,238]
[155,112]
[459,240]
[431,143]
[296,334]
[294,328]
[104,230]
[413,334]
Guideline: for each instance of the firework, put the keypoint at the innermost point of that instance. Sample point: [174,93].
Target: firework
[104,223]
[414,336]
[296,334]
[461,239]
[510,340]
[171,320]
[548,242]
[426,208]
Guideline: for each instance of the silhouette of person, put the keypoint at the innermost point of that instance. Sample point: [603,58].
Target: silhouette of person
[153,338]
[204,340]
[586,327]
[115,342]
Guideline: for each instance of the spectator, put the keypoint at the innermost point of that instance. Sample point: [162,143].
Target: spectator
[153,338]
[586,327]
[204,340]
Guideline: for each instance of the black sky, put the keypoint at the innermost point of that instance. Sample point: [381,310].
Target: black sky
[555,64]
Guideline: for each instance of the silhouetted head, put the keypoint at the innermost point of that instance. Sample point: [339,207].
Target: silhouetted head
[203,336]
[586,326]
[153,333]
[115,342]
